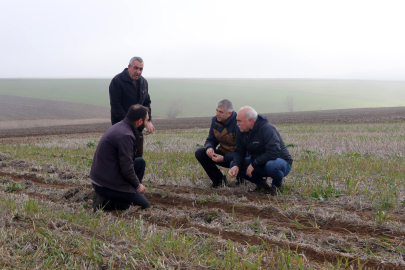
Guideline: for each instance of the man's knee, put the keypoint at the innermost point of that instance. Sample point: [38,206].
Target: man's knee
[145,205]
[140,162]
[200,153]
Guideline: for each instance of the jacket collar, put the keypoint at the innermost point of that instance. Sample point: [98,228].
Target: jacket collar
[125,76]
[128,122]
[229,120]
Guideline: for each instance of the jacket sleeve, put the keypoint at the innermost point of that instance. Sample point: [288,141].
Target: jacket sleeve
[115,100]
[240,151]
[147,101]
[125,155]
[211,141]
[229,157]
[271,145]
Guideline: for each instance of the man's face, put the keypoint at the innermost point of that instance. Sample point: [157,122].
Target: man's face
[141,123]
[243,124]
[135,71]
[222,115]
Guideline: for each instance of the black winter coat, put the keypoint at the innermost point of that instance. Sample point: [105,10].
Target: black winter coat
[113,162]
[123,95]
[262,143]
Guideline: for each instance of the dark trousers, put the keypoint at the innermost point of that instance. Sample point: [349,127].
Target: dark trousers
[123,200]
[210,166]
[139,148]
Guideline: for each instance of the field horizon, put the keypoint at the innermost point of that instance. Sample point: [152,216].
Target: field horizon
[197,97]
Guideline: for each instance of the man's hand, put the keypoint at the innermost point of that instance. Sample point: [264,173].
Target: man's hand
[217,158]
[141,188]
[150,127]
[234,171]
[249,170]
[210,152]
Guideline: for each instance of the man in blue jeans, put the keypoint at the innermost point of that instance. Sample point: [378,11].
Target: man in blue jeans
[116,174]
[267,154]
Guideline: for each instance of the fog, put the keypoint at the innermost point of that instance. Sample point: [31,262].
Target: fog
[203,39]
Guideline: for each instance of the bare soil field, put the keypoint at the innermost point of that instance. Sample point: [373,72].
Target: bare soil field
[348,232]
[370,115]
[318,232]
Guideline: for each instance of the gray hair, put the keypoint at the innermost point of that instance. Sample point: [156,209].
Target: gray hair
[136,58]
[225,104]
[250,113]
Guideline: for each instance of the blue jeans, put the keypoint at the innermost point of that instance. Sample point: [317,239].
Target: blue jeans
[276,169]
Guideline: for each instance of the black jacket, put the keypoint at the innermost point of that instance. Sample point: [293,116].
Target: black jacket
[123,95]
[262,143]
[224,135]
[113,162]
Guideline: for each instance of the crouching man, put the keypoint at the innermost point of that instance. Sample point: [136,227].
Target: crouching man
[267,154]
[116,174]
[222,132]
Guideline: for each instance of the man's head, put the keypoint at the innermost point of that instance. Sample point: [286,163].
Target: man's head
[135,68]
[246,118]
[224,110]
[138,115]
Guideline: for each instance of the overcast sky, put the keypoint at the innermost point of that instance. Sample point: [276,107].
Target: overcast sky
[204,39]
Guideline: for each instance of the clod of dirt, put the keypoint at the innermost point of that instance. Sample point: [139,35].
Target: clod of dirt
[20,163]
[3,157]
[66,175]
[77,194]
[50,168]
[28,183]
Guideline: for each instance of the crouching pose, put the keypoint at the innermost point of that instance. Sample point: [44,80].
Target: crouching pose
[222,132]
[116,174]
[267,154]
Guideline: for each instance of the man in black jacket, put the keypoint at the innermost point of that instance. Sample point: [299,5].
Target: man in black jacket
[129,88]
[222,132]
[116,174]
[267,154]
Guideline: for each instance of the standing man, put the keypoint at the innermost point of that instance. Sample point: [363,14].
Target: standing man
[222,132]
[116,174]
[267,154]
[129,88]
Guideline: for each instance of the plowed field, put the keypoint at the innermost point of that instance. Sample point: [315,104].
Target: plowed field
[343,207]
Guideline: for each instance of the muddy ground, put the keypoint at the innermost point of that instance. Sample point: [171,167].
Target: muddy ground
[371,115]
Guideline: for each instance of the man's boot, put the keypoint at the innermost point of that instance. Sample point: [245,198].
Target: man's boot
[99,202]
[222,182]
[263,188]
[240,181]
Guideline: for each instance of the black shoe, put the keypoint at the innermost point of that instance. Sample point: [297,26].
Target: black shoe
[274,191]
[99,202]
[240,181]
[263,188]
[220,183]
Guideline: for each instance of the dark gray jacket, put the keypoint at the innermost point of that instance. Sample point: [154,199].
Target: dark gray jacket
[262,143]
[123,95]
[113,162]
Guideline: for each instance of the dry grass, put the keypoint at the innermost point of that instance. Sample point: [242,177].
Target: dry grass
[343,204]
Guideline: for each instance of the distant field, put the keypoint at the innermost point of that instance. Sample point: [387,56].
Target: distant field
[198,97]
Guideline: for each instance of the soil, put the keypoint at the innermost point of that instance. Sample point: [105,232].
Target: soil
[318,238]
[370,115]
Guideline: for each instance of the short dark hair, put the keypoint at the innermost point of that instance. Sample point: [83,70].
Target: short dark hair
[137,112]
